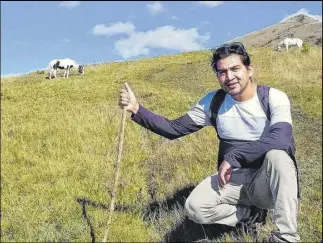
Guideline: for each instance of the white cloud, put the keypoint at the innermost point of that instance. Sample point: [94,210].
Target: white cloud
[211,4]
[174,17]
[155,8]
[305,12]
[166,37]
[113,29]
[66,40]
[69,4]
[139,43]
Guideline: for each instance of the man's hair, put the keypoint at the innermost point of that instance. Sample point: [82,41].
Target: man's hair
[227,50]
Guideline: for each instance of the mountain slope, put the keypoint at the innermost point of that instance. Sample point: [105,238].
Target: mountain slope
[300,26]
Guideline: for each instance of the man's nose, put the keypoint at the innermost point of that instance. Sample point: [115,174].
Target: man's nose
[230,75]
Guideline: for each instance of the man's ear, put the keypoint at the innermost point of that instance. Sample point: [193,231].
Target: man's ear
[250,70]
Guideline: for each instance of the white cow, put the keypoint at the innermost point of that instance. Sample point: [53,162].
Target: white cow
[290,42]
[66,64]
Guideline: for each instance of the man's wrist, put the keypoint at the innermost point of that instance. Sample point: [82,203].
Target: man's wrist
[135,108]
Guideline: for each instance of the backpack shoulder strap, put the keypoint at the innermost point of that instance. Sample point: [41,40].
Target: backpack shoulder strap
[263,94]
[215,105]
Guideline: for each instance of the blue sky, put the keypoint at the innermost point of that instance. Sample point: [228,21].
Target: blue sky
[34,33]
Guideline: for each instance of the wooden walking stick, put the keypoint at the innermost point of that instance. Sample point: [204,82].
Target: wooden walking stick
[116,173]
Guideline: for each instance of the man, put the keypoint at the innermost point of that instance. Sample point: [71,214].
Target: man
[257,169]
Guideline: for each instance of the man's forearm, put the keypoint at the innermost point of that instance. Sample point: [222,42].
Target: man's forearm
[162,126]
[280,137]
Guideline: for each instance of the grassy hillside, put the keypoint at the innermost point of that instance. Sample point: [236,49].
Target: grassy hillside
[59,143]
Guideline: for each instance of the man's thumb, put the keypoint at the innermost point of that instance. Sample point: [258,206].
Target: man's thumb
[127,87]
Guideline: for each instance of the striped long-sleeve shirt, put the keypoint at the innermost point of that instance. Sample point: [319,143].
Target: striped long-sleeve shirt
[246,133]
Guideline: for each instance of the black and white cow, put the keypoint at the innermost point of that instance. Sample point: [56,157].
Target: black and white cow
[65,64]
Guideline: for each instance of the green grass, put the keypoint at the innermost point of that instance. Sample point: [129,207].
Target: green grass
[59,143]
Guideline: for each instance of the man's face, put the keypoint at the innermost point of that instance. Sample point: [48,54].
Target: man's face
[232,75]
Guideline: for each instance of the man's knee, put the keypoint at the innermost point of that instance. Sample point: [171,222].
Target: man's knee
[279,161]
[194,210]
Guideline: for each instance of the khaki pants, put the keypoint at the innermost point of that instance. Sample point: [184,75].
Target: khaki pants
[273,186]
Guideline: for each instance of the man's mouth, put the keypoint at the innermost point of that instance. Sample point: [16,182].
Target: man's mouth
[231,84]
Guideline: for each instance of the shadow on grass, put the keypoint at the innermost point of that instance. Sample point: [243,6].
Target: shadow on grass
[188,231]
[185,230]
[86,202]
[156,209]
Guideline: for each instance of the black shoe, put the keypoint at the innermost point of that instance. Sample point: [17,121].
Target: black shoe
[252,225]
[273,238]
[258,215]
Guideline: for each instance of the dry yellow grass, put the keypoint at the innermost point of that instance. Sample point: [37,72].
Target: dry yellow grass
[59,143]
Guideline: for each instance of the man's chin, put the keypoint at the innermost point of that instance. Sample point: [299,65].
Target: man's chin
[233,92]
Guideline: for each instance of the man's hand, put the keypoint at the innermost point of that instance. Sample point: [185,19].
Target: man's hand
[128,99]
[224,173]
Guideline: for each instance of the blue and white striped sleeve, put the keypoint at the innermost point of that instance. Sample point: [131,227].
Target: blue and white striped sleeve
[280,107]
[200,113]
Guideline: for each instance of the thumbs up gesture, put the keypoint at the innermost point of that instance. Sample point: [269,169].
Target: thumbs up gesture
[128,99]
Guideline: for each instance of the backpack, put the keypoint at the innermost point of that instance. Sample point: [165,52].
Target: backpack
[218,98]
